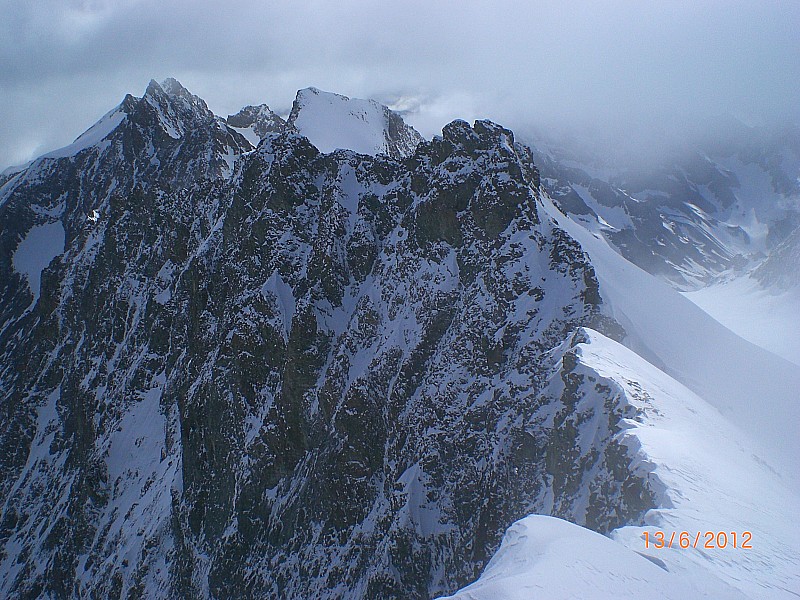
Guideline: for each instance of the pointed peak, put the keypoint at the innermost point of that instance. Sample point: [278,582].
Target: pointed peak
[170,90]
[129,103]
[153,89]
[170,86]
[173,87]
[256,122]
[249,113]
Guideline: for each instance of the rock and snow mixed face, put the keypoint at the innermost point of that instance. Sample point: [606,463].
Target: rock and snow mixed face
[707,476]
[272,319]
[255,122]
[712,208]
[283,372]
[332,121]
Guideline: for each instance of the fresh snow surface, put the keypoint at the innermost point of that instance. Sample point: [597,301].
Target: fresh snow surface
[711,478]
[92,136]
[755,389]
[549,558]
[331,121]
[37,250]
[767,318]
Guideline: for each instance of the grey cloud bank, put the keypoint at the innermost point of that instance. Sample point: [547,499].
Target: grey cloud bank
[629,69]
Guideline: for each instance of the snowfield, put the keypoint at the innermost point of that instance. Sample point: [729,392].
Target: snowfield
[767,318]
[331,121]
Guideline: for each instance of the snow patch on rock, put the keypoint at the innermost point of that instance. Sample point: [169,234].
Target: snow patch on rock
[36,251]
[277,289]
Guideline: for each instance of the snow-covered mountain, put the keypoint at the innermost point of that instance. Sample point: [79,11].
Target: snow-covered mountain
[344,362]
[717,221]
[333,121]
[712,207]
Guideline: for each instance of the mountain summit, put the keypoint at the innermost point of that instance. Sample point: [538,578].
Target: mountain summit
[333,121]
[255,122]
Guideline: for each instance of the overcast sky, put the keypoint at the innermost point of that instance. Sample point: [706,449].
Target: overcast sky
[621,65]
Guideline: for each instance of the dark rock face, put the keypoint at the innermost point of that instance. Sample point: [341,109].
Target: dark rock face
[262,120]
[325,376]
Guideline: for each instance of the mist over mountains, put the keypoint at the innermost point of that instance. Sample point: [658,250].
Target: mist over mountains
[631,72]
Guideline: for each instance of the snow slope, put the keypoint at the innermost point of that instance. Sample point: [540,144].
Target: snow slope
[546,557]
[706,476]
[331,121]
[754,389]
[712,478]
[94,136]
[767,318]
[249,134]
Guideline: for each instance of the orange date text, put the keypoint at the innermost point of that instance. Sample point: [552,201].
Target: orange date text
[707,540]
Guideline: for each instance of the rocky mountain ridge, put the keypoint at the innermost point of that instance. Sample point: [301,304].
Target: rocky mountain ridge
[264,370]
[330,365]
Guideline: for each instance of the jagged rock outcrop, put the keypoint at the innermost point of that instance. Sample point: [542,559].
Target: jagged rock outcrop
[258,119]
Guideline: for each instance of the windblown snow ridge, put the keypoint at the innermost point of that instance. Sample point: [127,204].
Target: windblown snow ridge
[706,476]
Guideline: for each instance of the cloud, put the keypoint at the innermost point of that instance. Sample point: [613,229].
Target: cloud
[621,65]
